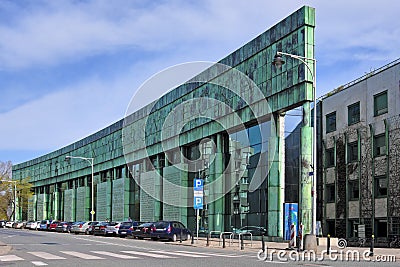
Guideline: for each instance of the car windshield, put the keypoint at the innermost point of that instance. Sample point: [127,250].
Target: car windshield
[145,225]
[126,224]
[113,223]
[161,225]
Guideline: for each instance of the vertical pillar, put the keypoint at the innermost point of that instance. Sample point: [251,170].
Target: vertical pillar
[305,197]
[218,188]
[57,216]
[276,177]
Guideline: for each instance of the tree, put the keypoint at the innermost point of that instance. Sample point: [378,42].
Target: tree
[23,192]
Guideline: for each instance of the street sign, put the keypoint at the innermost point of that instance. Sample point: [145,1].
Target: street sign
[198,193]
[92,212]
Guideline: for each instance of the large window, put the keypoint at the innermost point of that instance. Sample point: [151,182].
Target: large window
[330,157]
[380,103]
[331,122]
[330,192]
[380,186]
[354,190]
[352,152]
[353,113]
[379,145]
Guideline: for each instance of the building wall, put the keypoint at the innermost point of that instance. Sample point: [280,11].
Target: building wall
[350,208]
[130,156]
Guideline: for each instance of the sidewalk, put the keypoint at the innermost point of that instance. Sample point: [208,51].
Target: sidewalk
[256,245]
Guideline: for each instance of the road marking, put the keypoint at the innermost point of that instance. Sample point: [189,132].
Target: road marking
[120,256]
[149,254]
[180,254]
[39,263]
[211,254]
[10,258]
[47,256]
[82,255]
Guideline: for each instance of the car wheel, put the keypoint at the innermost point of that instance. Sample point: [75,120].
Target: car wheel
[154,238]
[174,238]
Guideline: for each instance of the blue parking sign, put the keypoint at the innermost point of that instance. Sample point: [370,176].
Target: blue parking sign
[198,203]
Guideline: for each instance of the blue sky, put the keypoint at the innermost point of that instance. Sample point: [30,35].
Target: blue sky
[70,68]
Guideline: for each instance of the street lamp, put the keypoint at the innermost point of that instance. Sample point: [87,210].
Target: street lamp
[15,196]
[278,62]
[90,160]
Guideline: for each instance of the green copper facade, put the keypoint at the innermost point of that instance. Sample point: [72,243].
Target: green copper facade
[138,162]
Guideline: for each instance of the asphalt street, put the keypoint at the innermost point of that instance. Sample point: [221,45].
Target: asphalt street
[36,248]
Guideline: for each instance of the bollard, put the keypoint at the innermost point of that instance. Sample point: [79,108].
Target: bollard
[180,237]
[262,243]
[241,243]
[223,241]
[192,242]
[208,240]
[328,244]
[371,249]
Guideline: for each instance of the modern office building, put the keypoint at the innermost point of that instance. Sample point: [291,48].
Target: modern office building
[361,156]
[225,125]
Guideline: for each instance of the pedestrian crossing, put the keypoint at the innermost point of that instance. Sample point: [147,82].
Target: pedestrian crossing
[37,257]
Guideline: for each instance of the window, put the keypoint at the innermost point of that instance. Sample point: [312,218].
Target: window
[380,103]
[330,157]
[379,145]
[380,186]
[352,152]
[354,190]
[353,113]
[330,192]
[331,122]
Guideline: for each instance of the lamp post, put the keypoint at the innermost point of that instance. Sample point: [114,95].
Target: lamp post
[90,160]
[15,196]
[278,62]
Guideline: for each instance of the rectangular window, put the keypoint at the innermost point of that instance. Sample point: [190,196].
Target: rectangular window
[330,192]
[331,122]
[353,113]
[354,190]
[379,145]
[380,186]
[380,103]
[352,152]
[330,157]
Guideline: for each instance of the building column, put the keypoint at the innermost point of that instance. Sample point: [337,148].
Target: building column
[276,177]
[305,197]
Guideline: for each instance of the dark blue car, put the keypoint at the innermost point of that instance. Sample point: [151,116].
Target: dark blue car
[126,228]
[171,230]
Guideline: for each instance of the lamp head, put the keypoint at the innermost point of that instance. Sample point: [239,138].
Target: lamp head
[278,61]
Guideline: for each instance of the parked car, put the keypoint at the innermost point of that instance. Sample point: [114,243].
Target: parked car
[34,225]
[9,224]
[44,225]
[171,230]
[254,230]
[100,228]
[28,224]
[126,228]
[64,227]
[82,227]
[53,225]
[112,228]
[143,230]
[18,225]
[2,224]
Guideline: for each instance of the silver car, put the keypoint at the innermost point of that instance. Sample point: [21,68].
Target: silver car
[82,228]
[112,228]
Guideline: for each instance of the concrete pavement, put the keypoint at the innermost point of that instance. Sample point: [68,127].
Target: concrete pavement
[4,248]
[255,246]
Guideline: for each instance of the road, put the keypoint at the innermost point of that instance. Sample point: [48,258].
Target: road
[33,248]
